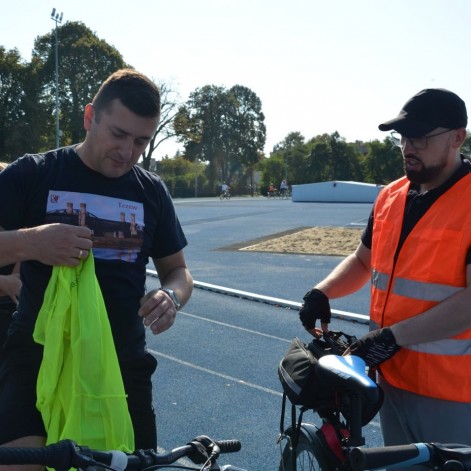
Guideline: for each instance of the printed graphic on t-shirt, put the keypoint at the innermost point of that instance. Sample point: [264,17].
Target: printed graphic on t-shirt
[117,225]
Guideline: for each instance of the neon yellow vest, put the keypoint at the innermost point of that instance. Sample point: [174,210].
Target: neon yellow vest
[80,391]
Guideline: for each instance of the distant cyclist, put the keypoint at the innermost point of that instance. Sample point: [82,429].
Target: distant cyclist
[283,187]
[224,190]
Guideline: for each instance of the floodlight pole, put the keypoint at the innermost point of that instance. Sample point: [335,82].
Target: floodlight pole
[286,165]
[58,20]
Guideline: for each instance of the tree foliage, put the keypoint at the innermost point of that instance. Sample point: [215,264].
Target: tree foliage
[383,163]
[23,121]
[224,128]
[179,175]
[84,62]
[329,157]
[27,91]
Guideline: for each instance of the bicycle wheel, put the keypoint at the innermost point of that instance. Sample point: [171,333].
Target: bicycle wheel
[309,455]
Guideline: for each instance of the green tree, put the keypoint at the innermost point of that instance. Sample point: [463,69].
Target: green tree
[198,125]
[344,163]
[179,176]
[293,139]
[224,128]
[23,119]
[332,158]
[318,168]
[244,130]
[84,62]
[292,150]
[383,163]
[272,170]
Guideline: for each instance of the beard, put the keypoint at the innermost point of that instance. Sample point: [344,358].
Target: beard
[419,174]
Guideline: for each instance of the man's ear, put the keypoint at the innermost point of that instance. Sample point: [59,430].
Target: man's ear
[461,135]
[88,116]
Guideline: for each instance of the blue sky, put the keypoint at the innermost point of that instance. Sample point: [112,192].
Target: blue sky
[317,66]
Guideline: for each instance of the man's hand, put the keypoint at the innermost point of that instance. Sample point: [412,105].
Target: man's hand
[375,347]
[10,285]
[56,244]
[316,306]
[158,311]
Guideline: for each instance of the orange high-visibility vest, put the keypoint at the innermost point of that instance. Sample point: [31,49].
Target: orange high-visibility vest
[430,267]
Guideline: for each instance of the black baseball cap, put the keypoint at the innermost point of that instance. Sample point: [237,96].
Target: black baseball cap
[430,109]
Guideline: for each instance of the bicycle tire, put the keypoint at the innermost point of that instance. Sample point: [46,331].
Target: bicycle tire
[309,455]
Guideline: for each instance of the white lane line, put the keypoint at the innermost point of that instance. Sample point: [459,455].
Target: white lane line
[224,324]
[216,373]
[241,382]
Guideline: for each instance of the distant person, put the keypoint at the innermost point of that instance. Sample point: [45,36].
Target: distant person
[283,187]
[416,253]
[10,286]
[271,189]
[224,188]
[98,184]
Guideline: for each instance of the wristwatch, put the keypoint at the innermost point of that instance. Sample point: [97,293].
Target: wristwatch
[173,297]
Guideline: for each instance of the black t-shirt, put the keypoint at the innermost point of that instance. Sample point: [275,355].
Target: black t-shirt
[417,205]
[6,301]
[132,218]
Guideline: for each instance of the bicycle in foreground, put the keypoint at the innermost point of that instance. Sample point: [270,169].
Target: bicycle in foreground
[345,400]
[66,454]
[225,195]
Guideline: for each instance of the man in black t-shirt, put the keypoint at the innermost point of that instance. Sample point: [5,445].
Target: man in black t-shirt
[127,212]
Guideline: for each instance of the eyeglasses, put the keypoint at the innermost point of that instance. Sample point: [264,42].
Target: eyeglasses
[418,143]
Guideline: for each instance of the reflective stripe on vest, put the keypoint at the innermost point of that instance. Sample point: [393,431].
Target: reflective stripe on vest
[414,289]
[453,347]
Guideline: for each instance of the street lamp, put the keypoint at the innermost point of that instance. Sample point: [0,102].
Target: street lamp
[58,20]
[196,177]
[286,165]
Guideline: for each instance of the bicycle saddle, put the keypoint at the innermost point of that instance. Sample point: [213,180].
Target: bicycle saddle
[347,374]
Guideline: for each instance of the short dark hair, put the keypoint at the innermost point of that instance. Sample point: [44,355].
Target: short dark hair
[134,90]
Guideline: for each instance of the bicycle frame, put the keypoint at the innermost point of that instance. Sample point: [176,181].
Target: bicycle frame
[331,439]
[354,400]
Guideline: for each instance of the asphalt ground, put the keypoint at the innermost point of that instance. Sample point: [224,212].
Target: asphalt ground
[217,372]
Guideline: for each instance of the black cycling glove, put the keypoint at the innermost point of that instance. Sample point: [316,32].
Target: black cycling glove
[376,346]
[316,306]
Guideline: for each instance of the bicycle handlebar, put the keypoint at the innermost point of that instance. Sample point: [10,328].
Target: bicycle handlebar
[449,457]
[401,455]
[67,454]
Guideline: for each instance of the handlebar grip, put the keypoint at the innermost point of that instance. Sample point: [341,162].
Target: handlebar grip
[57,455]
[390,456]
[229,446]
